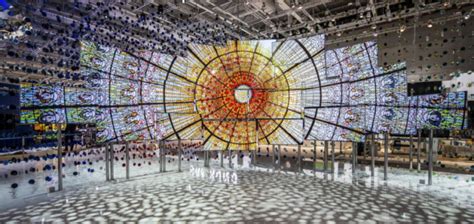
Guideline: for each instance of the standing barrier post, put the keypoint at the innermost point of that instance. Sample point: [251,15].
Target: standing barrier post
[60,161]
[325,164]
[372,155]
[418,151]
[299,158]
[179,155]
[112,158]
[107,167]
[333,157]
[410,153]
[430,158]
[127,160]
[385,156]
[314,156]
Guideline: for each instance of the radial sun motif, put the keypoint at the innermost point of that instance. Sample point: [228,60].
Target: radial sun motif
[244,93]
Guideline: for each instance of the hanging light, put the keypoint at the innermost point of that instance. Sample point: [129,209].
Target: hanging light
[430,24]
[338,34]
[467,15]
[402,28]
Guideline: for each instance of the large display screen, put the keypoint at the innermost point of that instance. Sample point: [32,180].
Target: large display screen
[241,94]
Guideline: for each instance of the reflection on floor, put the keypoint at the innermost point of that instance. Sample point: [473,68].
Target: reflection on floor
[249,195]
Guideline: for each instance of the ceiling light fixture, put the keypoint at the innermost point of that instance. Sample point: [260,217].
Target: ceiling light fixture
[402,28]
[430,24]
[467,15]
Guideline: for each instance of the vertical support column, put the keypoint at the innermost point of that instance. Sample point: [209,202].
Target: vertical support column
[418,151]
[160,159]
[107,167]
[221,155]
[385,156]
[273,157]
[254,157]
[372,155]
[164,156]
[279,157]
[333,156]
[299,158]
[410,153]
[205,158]
[112,158]
[240,159]
[325,165]
[208,158]
[354,152]
[230,158]
[364,152]
[179,155]
[314,156]
[60,161]
[430,158]
[127,160]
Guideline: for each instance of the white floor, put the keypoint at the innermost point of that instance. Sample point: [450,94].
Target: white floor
[244,193]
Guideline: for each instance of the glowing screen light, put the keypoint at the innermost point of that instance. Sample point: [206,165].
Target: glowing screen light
[241,94]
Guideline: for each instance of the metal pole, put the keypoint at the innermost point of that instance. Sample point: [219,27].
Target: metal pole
[299,158]
[279,157]
[418,151]
[160,159]
[372,154]
[356,153]
[430,158]
[60,161]
[273,157]
[127,160]
[314,157]
[325,156]
[221,154]
[385,156]
[107,167]
[204,158]
[333,157]
[410,153]
[354,157]
[179,155]
[254,157]
[164,156]
[365,149]
[208,157]
[230,158]
[112,158]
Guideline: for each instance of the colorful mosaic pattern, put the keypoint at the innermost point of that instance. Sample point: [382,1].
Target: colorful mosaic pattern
[242,93]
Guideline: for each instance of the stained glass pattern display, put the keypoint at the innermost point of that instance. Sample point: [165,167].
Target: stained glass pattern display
[244,92]
[241,94]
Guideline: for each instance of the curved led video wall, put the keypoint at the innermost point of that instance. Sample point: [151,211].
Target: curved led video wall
[243,93]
